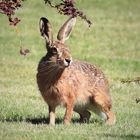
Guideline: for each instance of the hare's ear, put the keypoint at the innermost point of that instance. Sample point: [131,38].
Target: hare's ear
[66,29]
[46,30]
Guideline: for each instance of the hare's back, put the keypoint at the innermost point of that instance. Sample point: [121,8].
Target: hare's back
[90,74]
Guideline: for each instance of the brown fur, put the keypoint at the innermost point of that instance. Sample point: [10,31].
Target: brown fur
[78,86]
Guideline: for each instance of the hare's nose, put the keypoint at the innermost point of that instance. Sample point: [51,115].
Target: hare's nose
[68,61]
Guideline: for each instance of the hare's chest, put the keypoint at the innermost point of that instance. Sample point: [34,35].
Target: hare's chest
[52,95]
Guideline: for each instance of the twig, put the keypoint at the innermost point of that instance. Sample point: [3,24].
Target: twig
[137,100]
[136,80]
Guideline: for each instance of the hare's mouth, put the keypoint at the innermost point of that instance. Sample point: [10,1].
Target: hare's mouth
[65,62]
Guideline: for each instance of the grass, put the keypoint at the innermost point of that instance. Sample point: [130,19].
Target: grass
[112,43]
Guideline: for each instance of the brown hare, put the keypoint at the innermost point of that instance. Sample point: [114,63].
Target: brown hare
[77,85]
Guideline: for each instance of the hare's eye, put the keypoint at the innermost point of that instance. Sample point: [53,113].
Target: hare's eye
[54,50]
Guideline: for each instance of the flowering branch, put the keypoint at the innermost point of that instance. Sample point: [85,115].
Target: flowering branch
[8,8]
[67,7]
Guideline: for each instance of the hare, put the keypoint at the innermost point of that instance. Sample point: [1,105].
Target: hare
[77,85]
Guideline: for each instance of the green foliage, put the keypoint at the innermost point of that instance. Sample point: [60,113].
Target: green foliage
[112,43]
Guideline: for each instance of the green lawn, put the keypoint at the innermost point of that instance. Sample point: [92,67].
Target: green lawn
[112,43]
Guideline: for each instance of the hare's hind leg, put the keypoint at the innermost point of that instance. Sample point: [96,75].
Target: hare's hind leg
[103,108]
[84,116]
[111,118]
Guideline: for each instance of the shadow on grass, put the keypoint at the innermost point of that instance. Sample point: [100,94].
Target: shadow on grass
[46,120]
[43,120]
[38,120]
[126,137]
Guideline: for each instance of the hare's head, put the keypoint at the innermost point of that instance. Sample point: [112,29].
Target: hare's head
[57,51]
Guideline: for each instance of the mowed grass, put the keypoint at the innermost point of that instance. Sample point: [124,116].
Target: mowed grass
[112,43]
